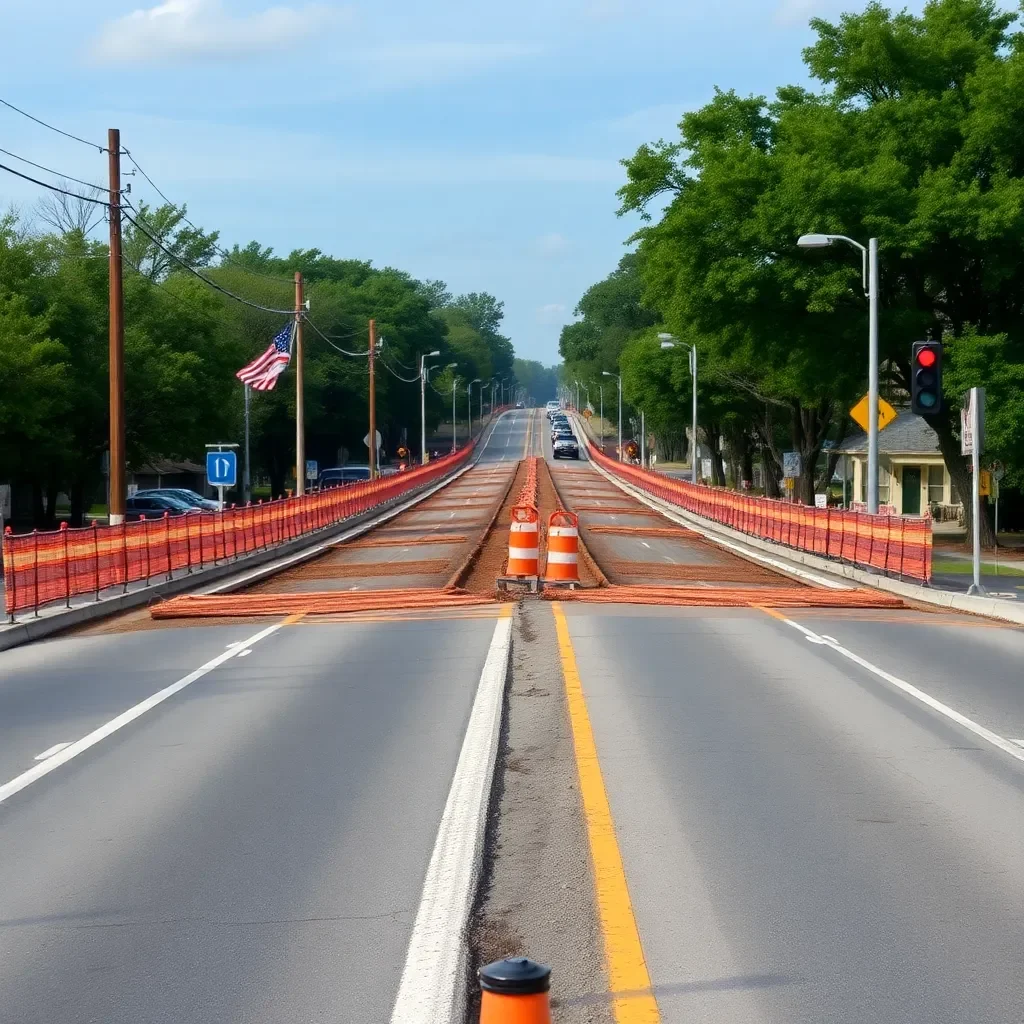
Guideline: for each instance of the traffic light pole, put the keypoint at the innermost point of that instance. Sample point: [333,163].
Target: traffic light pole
[873,376]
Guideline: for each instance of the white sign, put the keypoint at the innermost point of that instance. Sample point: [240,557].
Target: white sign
[366,440]
[311,469]
[967,424]
[821,501]
[705,468]
[791,465]
[133,489]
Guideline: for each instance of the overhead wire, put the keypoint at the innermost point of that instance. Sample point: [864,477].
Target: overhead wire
[344,352]
[59,131]
[223,253]
[50,170]
[54,188]
[408,380]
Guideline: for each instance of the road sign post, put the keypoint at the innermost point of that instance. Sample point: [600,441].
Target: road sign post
[221,468]
[972,420]
[312,469]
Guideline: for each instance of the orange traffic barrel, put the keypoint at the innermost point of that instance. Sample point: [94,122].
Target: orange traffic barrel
[515,991]
[523,541]
[563,547]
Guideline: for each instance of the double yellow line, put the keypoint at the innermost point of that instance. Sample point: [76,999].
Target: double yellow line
[629,981]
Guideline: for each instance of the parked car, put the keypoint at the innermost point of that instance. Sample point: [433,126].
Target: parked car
[153,506]
[342,475]
[566,448]
[184,494]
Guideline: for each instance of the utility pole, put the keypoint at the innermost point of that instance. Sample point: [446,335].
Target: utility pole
[300,414]
[246,476]
[116,467]
[455,381]
[372,436]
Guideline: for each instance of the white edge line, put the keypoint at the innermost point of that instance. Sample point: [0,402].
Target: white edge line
[1007,746]
[20,782]
[50,751]
[433,984]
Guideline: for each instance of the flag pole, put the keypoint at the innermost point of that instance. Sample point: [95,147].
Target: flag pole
[372,436]
[300,434]
[246,478]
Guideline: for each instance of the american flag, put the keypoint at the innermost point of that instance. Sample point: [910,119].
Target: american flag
[262,373]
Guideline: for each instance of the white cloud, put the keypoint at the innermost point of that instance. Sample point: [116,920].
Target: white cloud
[552,244]
[552,314]
[193,29]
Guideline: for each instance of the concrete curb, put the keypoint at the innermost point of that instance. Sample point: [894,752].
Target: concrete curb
[990,607]
[235,574]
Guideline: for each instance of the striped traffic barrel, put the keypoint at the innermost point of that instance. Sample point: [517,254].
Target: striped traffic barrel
[523,541]
[563,547]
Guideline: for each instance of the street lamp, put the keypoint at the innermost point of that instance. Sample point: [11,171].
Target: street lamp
[469,403]
[600,388]
[605,373]
[670,341]
[869,263]
[424,370]
[455,381]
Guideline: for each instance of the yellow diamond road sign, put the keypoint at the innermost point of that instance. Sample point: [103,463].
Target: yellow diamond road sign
[886,413]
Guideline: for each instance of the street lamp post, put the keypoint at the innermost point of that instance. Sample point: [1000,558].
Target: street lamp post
[469,404]
[605,373]
[869,260]
[424,370]
[601,388]
[670,341]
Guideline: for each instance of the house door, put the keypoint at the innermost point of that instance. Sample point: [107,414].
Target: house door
[912,490]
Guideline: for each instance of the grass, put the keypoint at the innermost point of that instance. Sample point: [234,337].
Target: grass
[965,568]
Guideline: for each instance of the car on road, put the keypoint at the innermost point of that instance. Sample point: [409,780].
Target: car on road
[183,494]
[560,427]
[153,506]
[566,447]
[340,476]
[551,408]
[520,405]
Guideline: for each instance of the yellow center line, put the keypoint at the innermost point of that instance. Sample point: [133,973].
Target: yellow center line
[633,1001]
[290,620]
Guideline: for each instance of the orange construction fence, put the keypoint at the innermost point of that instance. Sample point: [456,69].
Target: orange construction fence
[901,545]
[44,567]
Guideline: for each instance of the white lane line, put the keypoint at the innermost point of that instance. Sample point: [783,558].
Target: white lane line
[433,986]
[55,749]
[1020,743]
[245,653]
[1007,746]
[645,544]
[20,782]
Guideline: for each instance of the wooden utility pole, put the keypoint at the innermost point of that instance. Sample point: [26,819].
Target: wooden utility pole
[115,462]
[372,436]
[300,429]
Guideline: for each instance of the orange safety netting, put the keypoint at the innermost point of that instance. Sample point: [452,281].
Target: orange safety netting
[313,603]
[44,567]
[901,545]
[730,597]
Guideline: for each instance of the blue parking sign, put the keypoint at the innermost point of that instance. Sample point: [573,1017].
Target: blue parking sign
[221,469]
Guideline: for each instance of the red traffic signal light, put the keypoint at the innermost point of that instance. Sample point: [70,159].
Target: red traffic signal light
[926,378]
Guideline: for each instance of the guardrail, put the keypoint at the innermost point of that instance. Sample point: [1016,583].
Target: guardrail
[901,545]
[40,568]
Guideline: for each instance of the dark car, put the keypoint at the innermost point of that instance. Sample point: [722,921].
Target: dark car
[153,506]
[190,498]
[343,475]
[566,447]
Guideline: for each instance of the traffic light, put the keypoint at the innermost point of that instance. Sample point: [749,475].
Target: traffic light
[926,378]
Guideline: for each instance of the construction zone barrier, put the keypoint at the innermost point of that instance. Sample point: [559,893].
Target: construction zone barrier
[523,541]
[899,545]
[563,548]
[515,991]
[43,567]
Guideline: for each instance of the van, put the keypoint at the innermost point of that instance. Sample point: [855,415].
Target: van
[342,475]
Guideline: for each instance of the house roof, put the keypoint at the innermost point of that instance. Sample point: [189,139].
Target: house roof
[168,467]
[906,435]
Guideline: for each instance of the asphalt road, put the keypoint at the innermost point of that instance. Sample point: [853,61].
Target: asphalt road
[254,847]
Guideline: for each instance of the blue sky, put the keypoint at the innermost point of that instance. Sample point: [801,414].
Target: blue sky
[476,143]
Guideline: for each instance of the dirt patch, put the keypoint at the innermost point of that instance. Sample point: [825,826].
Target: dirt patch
[537,889]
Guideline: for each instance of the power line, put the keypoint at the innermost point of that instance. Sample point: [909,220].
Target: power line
[344,352]
[408,380]
[54,188]
[223,253]
[50,170]
[192,270]
[67,135]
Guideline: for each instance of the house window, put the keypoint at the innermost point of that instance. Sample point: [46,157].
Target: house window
[936,484]
[883,486]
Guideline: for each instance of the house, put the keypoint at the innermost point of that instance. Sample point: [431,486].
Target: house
[912,475]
